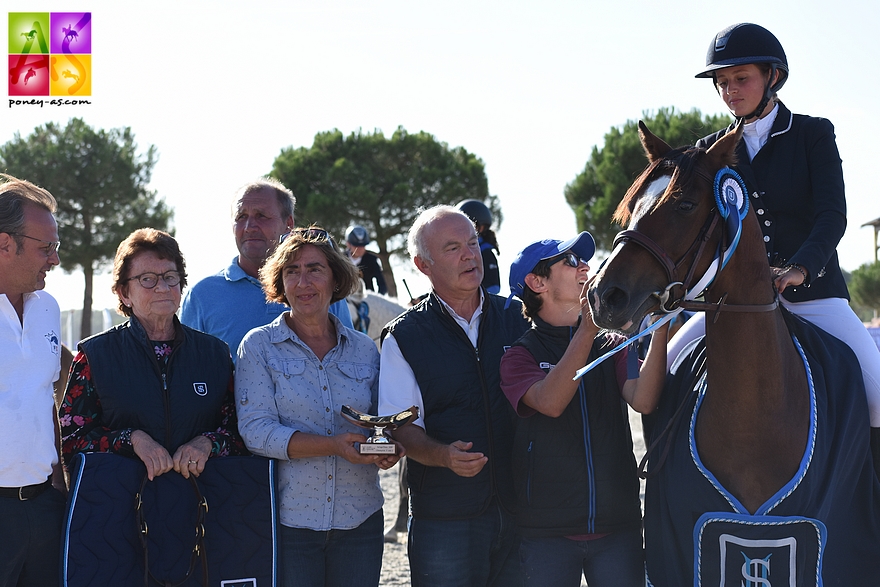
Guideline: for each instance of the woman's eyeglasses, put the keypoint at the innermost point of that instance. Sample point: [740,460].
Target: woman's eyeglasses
[51,246]
[150,280]
[569,259]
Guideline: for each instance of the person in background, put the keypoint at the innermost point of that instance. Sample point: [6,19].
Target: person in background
[32,485]
[367,262]
[230,303]
[443,356]
[171,405]
[292,378]
[575,474]
[481,216]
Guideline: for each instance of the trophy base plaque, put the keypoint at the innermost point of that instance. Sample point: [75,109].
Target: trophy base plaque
[376,448]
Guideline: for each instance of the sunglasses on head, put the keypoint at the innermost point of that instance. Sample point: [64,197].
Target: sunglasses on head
[569,259]
[310,234]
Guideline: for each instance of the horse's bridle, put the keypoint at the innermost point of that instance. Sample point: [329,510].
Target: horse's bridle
[668,303]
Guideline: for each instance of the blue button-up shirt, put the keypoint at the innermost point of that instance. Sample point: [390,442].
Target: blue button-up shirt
[281,387]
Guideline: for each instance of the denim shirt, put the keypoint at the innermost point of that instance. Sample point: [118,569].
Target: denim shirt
[281,387]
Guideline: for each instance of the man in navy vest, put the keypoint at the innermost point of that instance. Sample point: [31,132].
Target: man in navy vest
[443,356]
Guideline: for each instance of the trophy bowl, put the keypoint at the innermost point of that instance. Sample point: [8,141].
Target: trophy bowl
[378,442]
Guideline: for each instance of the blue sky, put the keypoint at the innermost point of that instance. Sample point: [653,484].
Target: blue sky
[531,88]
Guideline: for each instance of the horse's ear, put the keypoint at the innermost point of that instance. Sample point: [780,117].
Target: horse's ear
[655,148]
[723,152]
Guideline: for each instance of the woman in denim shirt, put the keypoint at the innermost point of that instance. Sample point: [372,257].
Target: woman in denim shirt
[292,378]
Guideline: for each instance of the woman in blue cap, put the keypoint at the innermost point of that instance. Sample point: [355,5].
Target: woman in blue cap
[792,167]
[574,470]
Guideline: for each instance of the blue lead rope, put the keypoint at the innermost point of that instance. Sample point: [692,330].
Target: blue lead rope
[668,317]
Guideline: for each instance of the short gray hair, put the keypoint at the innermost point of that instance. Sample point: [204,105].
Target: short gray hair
[415,240]
[14,194]
[286,199]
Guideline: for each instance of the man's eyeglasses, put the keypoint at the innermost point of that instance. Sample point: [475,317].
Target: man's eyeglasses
[150,280]
[569,259]
[51,246]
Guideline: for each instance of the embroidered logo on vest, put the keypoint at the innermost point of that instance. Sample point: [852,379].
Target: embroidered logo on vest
[201,389]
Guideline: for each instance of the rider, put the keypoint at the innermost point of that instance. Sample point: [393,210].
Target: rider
[481,216]
[793,172]
[356,239]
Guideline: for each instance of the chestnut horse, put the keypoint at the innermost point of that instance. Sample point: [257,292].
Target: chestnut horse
[763,473]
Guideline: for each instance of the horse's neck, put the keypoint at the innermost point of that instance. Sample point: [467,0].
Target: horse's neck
[756,346]
[753,420]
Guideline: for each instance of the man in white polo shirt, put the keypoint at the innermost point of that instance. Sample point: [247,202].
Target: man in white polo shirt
[31,480]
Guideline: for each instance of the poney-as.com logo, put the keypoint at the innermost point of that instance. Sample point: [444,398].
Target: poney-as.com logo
[50,53]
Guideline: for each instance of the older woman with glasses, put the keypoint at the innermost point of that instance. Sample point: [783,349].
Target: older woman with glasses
[292,378]
[151,388]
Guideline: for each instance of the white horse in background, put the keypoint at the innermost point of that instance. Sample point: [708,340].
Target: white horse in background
[370,311]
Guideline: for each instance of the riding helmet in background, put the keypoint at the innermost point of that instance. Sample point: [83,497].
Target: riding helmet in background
[477,211]
[357,236]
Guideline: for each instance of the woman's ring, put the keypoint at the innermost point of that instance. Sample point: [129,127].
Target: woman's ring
[191,462]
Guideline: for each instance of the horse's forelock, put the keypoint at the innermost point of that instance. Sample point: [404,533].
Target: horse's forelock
[624,210]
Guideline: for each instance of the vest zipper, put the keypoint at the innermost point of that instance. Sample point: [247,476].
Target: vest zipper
[529,474]
[167,402]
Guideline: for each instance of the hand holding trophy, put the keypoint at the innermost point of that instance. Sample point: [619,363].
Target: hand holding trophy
[379,443]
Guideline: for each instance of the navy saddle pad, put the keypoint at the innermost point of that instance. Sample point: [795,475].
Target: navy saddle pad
[103,541]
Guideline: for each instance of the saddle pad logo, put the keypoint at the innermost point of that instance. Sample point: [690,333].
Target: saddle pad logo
[201,389]
[239,583]
[759,551]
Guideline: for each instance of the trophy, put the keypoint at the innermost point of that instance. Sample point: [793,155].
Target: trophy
[379,443]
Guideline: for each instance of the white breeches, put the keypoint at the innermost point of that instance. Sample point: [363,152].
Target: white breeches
[830,314]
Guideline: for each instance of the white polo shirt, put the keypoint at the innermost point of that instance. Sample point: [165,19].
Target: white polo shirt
[30,361]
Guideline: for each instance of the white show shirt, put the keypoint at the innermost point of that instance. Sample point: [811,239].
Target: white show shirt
[755,134]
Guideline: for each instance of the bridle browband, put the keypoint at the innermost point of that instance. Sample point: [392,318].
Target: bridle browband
[669,303]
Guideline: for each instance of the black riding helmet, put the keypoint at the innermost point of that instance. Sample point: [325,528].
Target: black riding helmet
[477,211]
[745,43]
[357,236]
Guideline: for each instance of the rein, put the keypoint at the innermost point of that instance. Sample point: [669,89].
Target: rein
[685,301]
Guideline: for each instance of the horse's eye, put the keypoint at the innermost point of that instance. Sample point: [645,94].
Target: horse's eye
[686,206]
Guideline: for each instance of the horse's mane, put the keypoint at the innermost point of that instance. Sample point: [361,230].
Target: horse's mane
[682,161]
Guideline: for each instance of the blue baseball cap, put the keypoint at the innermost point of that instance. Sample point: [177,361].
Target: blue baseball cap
[582,245]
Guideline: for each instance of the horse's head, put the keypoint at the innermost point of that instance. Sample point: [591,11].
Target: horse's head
[669,213]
